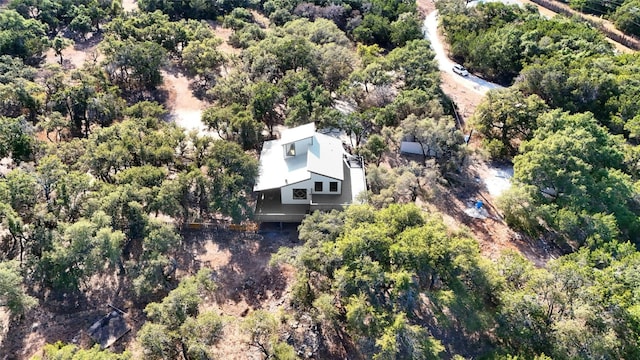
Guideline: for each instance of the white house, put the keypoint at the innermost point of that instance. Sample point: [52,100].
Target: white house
[305,171]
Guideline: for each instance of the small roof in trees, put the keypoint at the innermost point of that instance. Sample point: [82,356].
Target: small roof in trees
[109,329]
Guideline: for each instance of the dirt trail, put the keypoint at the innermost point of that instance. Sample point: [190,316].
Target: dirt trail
[463,94]
[184,108]
[493,234]
[445,64]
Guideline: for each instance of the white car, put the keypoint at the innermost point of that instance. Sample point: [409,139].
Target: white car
[460,70]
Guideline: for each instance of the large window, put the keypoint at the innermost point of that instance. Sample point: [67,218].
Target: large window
[299,194]
[333,186]
[318,186]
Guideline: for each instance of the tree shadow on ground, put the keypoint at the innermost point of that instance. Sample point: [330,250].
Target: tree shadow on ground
[59,317]
[87,43]
[240,263]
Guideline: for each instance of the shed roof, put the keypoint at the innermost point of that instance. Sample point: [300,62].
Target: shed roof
[109,329]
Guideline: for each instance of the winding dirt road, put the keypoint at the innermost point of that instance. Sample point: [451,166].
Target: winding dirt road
[430,31]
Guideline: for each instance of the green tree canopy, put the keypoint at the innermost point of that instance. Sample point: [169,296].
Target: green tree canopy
[376,266]
[572,171]
[134,66]
[12,294]
[22,38]
[505,118]
[627,17]
[177,326]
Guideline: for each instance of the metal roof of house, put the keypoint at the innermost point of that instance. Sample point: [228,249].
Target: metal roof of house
[324,157]
[297,133]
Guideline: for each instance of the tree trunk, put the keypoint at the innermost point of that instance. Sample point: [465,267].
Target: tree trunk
[184,351]
[21,250]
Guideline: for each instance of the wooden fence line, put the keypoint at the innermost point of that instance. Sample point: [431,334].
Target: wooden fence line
[625,40]
[248,227]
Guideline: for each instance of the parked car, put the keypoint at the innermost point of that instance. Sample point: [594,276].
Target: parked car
[460,70]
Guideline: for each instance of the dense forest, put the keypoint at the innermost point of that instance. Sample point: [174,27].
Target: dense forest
[568,120]
[97,182]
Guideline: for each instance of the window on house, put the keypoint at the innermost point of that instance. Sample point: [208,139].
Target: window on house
[318,186]
[299,194]
[291,149]
[333,186]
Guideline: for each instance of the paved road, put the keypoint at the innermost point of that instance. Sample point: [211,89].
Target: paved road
[430,30]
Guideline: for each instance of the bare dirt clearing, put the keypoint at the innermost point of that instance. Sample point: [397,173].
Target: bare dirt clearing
[246,282]
[61,317]
[74,56]
[240,265]
[492,233]
[184,108]
[224,34]
[261,20]
[466,100]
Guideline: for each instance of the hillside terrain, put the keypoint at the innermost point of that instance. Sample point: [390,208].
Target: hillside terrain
[130,134]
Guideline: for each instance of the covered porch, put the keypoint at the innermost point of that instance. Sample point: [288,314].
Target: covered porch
[269,207]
